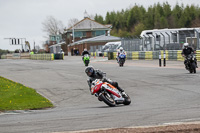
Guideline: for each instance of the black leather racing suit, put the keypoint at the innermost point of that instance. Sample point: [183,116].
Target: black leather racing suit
[188,51]
[97,74]
[85,52]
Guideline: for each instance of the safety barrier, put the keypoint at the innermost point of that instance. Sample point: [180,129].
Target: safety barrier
[110,56]
[179,56]
[17,56]
[198,55]
[42,57]
[150,55]
[34,56]
[135,56]
[3,57]
[59,56]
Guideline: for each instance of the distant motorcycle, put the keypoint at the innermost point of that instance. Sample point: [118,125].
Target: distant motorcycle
[122,58]
[86,59]
[190,63]
[109,94]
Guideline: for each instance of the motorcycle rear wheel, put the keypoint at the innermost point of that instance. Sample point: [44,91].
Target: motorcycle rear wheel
[107,99]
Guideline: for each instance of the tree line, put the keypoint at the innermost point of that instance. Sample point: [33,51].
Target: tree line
[132,21]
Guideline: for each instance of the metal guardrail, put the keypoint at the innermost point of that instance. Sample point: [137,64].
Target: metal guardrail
[33,56]
[156,40]
[42,57]
[149,55]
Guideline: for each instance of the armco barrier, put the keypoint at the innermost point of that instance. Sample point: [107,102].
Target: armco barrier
[142,55]
[150,55]
[172,55]
[105,54]
[129,55]
[3,57]
[135,55]
[115,55]
[198,55]
[58,56]
[179,56]
[110,56]
[42,57]
[155,54]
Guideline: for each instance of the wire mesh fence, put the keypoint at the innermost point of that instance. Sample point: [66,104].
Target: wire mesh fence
[155,41]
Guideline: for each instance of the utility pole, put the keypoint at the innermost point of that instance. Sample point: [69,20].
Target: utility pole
[34,47]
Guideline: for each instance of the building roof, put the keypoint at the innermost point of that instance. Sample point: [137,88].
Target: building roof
[58,44]
[88,24]
[102,38]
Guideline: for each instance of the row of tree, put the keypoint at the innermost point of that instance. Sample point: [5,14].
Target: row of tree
[132,21]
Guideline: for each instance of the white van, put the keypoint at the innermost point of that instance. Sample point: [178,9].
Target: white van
[111,46]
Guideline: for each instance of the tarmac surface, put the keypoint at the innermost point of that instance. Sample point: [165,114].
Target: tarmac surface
[160,95]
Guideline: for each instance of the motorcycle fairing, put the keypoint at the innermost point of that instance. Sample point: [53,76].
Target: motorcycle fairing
[111,89]
[96,86]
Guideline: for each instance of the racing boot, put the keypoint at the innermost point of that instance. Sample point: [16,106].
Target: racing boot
[122,91]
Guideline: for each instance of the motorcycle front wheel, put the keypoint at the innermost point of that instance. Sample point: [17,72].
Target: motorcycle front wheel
[127,100]
[86,62]
[106,97]
[194,67]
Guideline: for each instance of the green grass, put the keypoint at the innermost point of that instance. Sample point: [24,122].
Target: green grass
[15,96]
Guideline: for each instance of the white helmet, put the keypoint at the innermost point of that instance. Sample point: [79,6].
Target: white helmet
[185,44]
[85,49]
[120,48]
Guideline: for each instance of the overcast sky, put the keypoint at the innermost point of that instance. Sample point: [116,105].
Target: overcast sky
[23,18]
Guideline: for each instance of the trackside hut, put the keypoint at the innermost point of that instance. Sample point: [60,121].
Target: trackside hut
[95,41]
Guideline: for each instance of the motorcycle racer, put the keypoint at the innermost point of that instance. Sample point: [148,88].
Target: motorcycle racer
[187,51]
[120,51]
[84,53]
[98,74]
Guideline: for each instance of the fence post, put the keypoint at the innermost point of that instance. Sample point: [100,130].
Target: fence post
[164,60]
[159,39]
[168,36]
[160,62]
[164,40]
[153,47]
[197,32]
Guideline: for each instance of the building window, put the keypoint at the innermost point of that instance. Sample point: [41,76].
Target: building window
[56,38]
[98,33]
[80,34]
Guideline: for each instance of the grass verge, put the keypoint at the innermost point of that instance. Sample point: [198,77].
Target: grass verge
[15,96]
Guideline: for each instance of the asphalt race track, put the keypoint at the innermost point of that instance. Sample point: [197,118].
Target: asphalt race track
[160,95]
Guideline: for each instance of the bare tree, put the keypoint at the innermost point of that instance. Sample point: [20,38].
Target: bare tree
[72,22]
[52,26]
[91,16]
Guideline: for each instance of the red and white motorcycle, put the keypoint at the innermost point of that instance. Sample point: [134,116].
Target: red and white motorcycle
[109,94]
